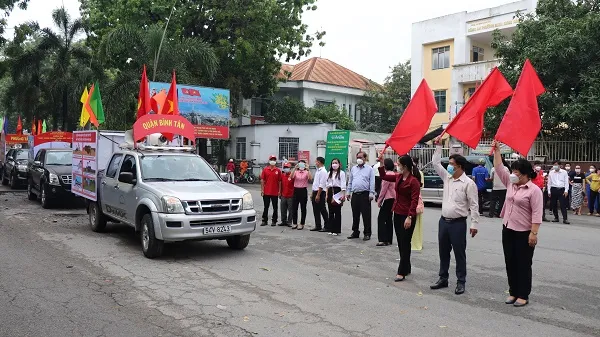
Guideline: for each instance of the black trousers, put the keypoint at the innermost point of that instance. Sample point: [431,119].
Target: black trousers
[335,211]
[453,235]
[300,199]
[497,202]
[270,199]
[481,194]
[518,256]
[404,237]
[546,199]
[593,196]
[569,197]
[385,222]
[558,195]
[361,204]
[319,210]
[377,185]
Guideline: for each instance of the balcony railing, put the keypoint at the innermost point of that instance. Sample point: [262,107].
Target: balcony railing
[474,71]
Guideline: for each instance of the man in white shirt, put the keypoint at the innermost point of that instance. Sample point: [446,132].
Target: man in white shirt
[558,190]
[460,198]
[318,197]
[377,178]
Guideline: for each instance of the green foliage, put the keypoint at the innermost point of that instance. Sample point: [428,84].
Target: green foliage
[7,6]
[291,110]
[382,106]
[562,40]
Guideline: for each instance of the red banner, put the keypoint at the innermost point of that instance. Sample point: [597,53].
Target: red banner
[84,137]
[56,136]
[16,139]
[304,155]
[173,124]
[211,132]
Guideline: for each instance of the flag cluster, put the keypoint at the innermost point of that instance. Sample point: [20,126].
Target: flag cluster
[92,110]
[519,128]
[159,103]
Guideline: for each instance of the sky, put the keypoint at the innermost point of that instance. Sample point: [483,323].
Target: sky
[367,37]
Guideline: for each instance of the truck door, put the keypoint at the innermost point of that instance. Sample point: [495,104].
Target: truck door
[38,169]
[109,197]
[127,193]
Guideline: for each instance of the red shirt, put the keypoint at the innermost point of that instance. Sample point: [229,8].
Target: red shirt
[230,167]
[407,192]
[271,176]
[287,186]
[539,179]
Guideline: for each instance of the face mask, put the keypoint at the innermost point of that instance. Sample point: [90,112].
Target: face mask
[400,170]
[592,170]
[272,163]
[514,178]
[360,161]
[301,166]
[335,166]
[577,171]
[567,168]
[538,168]
[450,169]
[555,168]
[286,170]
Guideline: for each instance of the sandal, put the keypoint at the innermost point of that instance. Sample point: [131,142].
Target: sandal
[300,227]
[381,244]
[294,226]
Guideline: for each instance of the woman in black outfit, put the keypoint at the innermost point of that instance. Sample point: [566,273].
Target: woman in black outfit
[336,183]
[385,201]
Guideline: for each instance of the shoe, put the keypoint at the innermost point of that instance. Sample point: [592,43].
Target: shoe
[566,222]
[283,224]
[316,229]
[273,224]
[381,244]
[518,305]
[460,289]
[441,283]
[367,238]
[353,237]
[295,227]
[330,233]
[399,279]
[300,227]
[556,220]
[509,301]
[324,230]
[335,234]
[264,223]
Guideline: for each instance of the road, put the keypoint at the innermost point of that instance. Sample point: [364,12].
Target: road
[57,278]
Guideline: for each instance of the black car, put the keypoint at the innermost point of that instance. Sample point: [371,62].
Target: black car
[14,170]
[49,176]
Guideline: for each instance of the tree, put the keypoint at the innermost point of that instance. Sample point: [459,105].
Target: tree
[249,36]
[331,113]
[562,40]
[382,106]
[292,111]
[7,6]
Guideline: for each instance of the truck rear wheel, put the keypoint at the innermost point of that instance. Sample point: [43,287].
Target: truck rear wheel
[97,218]
[238,242]
[151,246]
[46,202]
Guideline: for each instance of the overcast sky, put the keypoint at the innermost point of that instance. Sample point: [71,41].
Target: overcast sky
[367,37]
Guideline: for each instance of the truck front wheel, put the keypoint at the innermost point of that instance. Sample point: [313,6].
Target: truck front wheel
[97,218]
[238,242]
[151,246]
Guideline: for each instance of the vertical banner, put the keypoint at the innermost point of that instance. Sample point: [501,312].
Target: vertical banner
[304,155]
[85,164]
[337,146]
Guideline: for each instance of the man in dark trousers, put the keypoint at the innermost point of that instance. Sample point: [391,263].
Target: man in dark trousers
[361,191]
[318,197]
[270,189]
[459,200]
[558,191]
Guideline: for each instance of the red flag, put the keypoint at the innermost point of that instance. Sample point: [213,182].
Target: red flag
[144,96]
[19,127]
[171,106]
[33,128]
[522,123]
[39,127]
[467,126]
[415,120]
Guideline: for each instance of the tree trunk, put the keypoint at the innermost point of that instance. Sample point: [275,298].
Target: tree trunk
[65,112]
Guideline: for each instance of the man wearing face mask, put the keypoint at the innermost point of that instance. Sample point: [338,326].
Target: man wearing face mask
[318,197]
[460,198]
[270,189]
[558,190]
[287,196]
[361,191]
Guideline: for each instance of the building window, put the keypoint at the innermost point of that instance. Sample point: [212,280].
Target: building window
[477,54]
[471,91]
[440,57]
[288,147]
[440,99]
[240,148]
[319,103]
[350,109]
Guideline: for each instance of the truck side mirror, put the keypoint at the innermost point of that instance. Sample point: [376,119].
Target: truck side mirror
[9,158]
[126,177]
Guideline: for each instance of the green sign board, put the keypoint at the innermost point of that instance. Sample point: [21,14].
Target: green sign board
[337,147]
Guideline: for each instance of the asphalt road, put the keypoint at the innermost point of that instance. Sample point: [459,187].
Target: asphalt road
[57,278]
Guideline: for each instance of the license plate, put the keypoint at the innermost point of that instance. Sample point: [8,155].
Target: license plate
[217,229]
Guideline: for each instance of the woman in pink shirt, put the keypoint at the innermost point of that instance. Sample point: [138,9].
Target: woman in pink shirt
[300,175]
[521,217]
[385,202]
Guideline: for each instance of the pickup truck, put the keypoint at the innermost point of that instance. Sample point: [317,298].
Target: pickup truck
[169,195]
[14,170]
[49,176]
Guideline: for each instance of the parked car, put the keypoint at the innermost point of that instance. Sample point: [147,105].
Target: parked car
[49,176]
[433,188]
[14,169]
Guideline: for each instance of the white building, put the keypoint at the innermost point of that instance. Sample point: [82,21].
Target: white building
[316,81]
[454,54]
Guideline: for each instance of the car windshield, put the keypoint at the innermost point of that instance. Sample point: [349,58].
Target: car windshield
[59,158]
[21,154]
[176,168]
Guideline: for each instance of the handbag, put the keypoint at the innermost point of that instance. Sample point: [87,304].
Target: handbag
[420,206]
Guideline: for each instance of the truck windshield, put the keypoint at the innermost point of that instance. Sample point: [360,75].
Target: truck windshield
[21,154]
[176,168]
[59,158]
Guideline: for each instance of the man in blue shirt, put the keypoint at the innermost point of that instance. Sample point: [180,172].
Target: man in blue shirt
[361,191]
[480,176]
